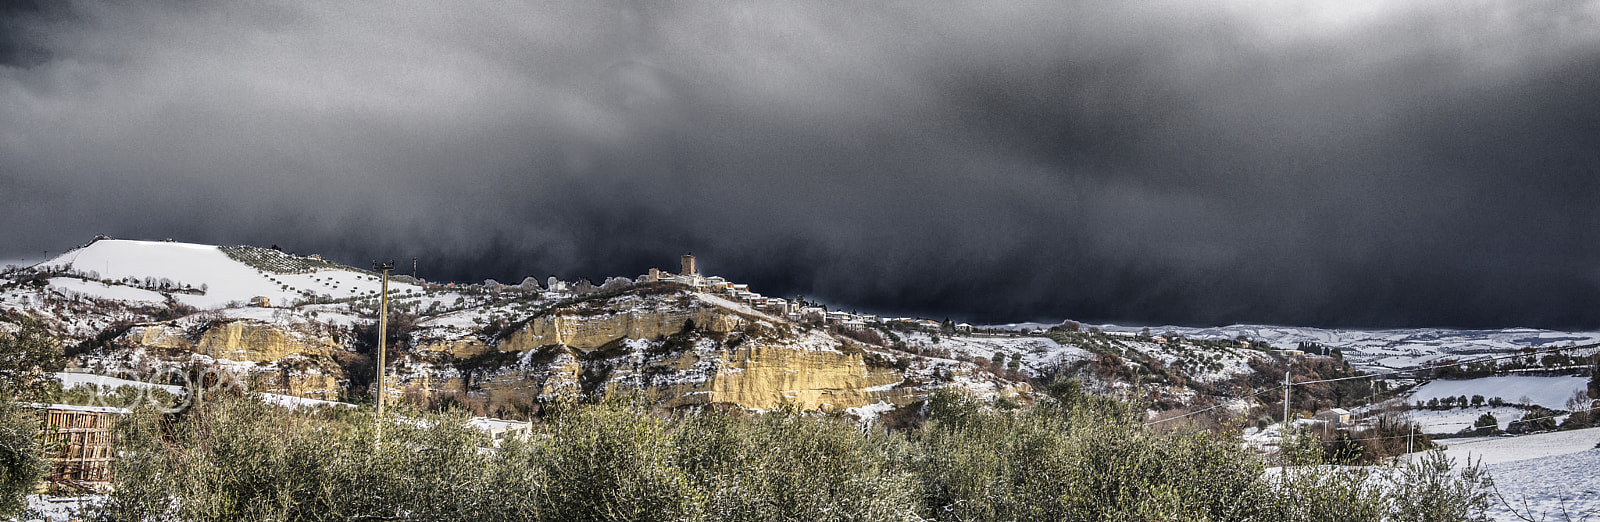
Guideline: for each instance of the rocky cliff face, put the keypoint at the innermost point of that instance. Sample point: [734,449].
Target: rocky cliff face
[260,342]
[767,377]
[686,347]
[288,360]
[696,349]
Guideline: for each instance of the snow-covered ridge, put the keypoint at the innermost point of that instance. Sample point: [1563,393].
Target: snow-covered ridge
[203,276]
[1377,349]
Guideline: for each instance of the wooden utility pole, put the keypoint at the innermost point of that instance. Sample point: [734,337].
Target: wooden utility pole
[383,326]
[1283,434]
[1286,385]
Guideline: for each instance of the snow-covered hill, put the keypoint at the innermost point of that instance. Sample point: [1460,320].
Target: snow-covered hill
[203,276]
[1547,391]
[1540,475]
[1386,349]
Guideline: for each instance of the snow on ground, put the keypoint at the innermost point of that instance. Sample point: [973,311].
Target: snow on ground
[61,509]
[69,380]
[1497,450]
[1542,473]
[72,286]
[870,411]
[1545,486]
[182,263]
[292,402]
[1373,349]
[1548,391]
[224,279]
[1037,352]
[1273,433]
[1454,420]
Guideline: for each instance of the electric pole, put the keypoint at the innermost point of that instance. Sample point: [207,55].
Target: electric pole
[1283,434]
[383,326]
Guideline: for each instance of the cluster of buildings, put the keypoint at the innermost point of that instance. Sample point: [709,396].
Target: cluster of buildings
[689,275]
[792,309]
[796,310]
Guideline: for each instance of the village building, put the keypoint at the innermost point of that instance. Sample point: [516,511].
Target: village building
[584,287]
[1335,417]
[686,264]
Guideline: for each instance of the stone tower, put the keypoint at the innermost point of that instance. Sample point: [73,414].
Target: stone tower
[688,265]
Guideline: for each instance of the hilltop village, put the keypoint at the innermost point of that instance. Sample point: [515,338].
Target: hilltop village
[795,310]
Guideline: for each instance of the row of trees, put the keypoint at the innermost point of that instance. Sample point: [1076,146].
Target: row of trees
[1459,402]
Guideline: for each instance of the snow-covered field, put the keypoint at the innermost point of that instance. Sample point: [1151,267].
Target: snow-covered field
[72,286]
[1378,349]
[1548,391]
[1454,420]
[195,266]
[1542,473]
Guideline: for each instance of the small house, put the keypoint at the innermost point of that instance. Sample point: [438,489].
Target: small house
[261,301]
[1335,417]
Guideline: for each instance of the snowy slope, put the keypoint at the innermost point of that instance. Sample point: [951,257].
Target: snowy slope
[1452,421]
[1551,392]
[72,286]
[187,265]
[1377,349]
[1542,473]
[1036,352]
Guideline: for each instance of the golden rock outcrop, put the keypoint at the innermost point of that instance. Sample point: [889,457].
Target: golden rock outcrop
[459,348]
[259,342]
[309,383]
[768,377]
[289,361]
[770,365]
[159,336]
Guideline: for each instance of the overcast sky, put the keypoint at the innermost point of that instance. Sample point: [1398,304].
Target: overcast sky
[1342,163]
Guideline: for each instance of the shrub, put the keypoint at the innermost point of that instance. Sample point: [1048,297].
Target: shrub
[21,464]
[1071,456]
[1485,425]
[788,465]
[1535,419]
[28,359]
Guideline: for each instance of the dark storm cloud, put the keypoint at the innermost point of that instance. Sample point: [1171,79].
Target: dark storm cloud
[1339,163]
